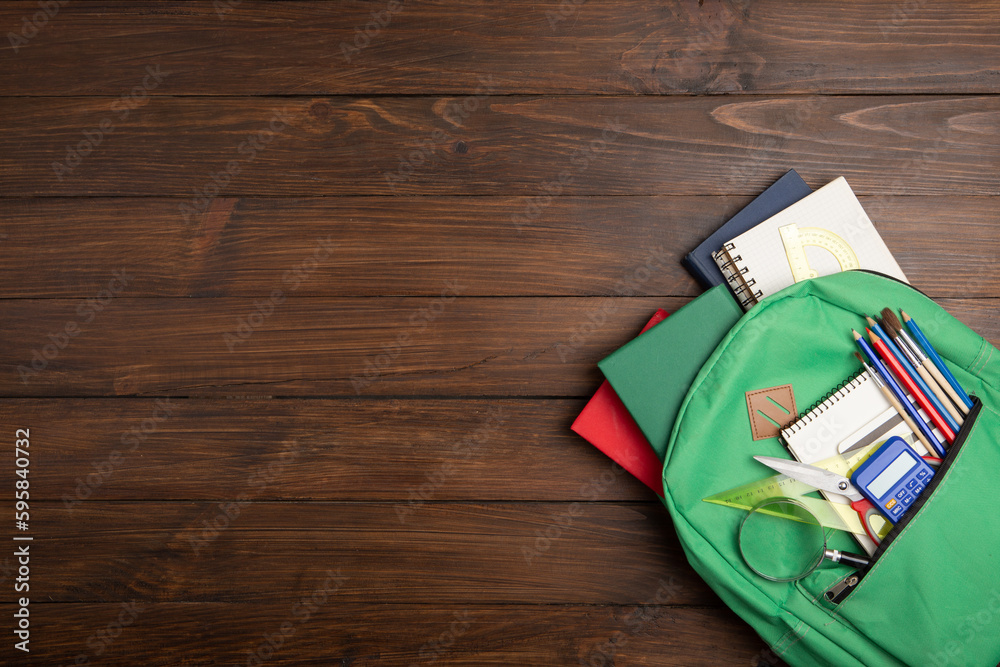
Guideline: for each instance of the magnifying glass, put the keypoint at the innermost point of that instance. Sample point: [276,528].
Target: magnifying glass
[781,540]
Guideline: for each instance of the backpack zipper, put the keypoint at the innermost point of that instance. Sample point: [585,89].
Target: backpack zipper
[840,590]
[843,588]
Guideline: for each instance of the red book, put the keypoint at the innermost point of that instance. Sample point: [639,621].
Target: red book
[607,425]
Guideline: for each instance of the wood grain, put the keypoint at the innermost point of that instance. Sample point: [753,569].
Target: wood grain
[411,452]
[594,47]
[465,553]
[577,246]
[374,315]
[198,149]
[344,633]
[391,346]
[318,347]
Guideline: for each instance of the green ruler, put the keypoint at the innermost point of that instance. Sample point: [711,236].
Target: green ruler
[832,515]
[750,495]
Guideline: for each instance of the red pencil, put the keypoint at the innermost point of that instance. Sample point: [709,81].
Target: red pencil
[911,386]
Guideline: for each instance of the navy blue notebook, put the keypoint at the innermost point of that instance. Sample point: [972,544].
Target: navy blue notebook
[783,193]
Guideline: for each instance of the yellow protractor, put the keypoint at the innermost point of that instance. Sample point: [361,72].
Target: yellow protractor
[795,239]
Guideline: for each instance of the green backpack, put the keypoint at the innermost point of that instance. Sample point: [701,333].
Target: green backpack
[931,595]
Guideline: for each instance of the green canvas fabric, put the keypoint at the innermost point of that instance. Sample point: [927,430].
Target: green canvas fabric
[933,597]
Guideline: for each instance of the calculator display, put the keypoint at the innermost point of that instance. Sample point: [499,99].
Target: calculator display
[892,474]
[892,478]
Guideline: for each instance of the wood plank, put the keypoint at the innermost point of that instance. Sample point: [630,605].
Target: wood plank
[577,246]
[389,346]
[378,246]
[553,553]
[410,452]
[316,346]
[537,147]
[420,162]
[167,634]
[600,46]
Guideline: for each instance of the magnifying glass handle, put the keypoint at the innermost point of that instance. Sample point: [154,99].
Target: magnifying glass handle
[866,512]
[844,558]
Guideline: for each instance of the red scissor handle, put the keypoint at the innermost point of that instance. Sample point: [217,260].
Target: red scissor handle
[866,512]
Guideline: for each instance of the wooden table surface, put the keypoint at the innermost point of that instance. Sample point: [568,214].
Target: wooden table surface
[301,298]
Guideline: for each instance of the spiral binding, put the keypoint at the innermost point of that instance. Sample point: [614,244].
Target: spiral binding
[736,277]
[852,382]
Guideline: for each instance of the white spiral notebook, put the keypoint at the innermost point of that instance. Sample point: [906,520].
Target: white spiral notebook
[817,434]
[826,232]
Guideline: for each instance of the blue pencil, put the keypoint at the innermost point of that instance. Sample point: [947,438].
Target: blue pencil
[931,396]
[957,394]
[898,392]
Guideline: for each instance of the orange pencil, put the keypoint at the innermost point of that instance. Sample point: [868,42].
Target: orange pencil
[894,402]
[911,386]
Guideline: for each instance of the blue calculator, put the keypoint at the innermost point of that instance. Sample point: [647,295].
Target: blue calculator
[892,478]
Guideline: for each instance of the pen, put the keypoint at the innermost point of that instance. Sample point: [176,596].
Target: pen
[918,360]
[929,397]
[911,386]
[899,393]
[948,380]
[895,403]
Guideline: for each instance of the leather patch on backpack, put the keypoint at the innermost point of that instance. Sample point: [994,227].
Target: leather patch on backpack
[771,410]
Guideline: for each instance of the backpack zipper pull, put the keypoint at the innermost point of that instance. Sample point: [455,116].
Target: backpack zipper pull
[836,593]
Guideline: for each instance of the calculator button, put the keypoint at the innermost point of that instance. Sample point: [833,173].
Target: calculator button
[892,503]
[917,490]
[921,474]
[897,510]
[901,494]
[912,483]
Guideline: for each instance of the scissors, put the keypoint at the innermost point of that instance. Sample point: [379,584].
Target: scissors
[831,482]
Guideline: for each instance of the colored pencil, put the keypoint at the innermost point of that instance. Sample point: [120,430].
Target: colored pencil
[907,381]
[900,395]
[929,397]
[918,360]
[960,397]
[880,383]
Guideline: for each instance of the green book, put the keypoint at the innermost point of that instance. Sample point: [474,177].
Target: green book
[652,373]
